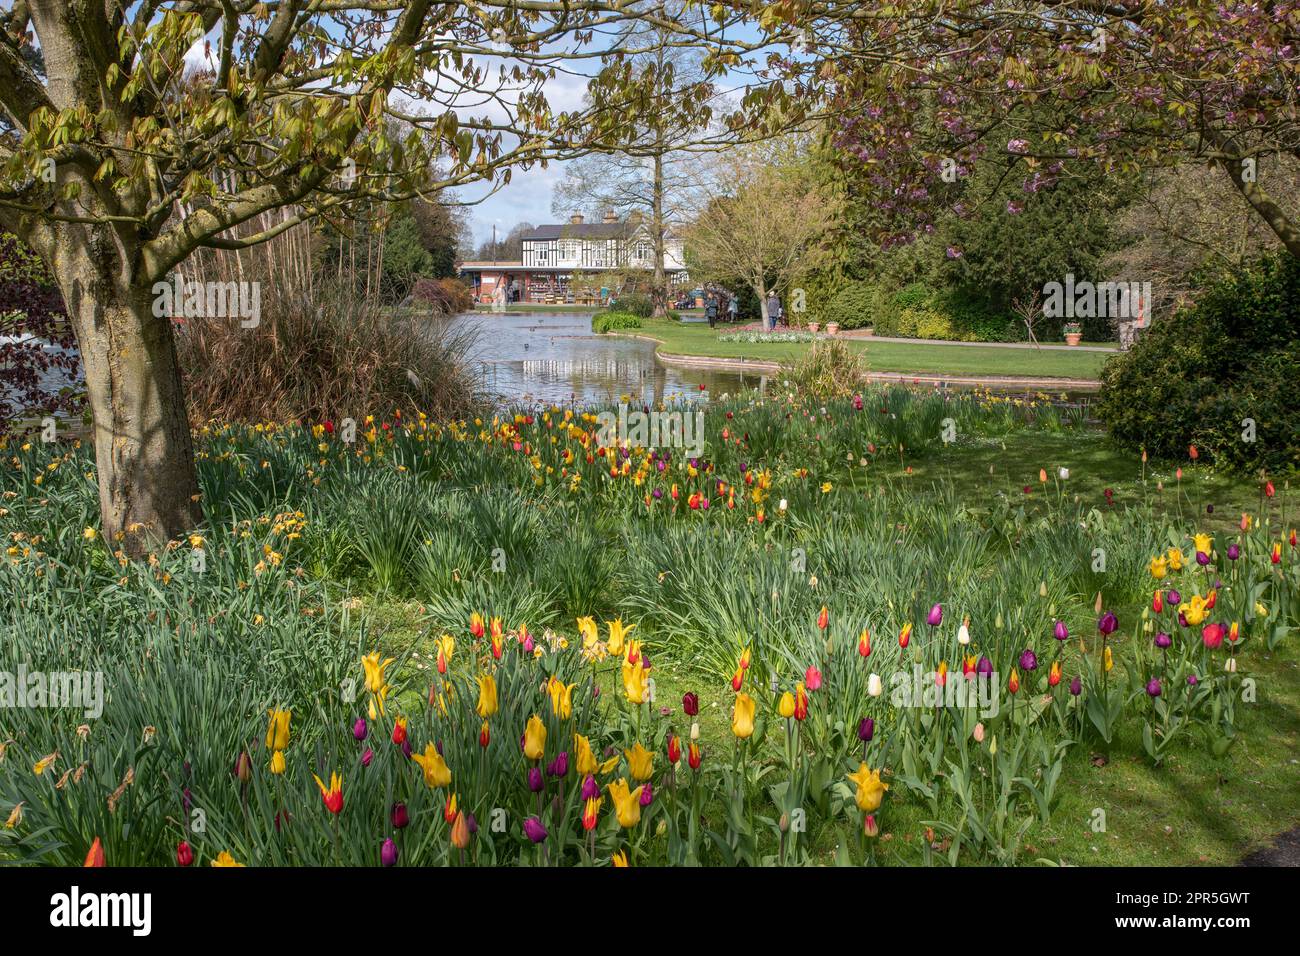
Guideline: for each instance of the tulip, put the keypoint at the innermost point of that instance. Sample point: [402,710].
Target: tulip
[184,854]
[1107,660]
[561,697]
[870,789]
[476,624]
[874,686]
[1275,556]
[534,830]
[487,696]
[534,742]
[1212,635]
[690,704]
[935,617]
[647,794]
[1108,623]
[823,618]
[636,682]
[694,757]
[619,859]
[617,633]
[388,852]
[591,812]
[332,796]
[866,729]
[445,645]
[243,767]
[1230,665]
[360,730]
[1028,660]
[1153,687]
[674,749]
[436,773]
[742,716]
[978,733]
[1060,631]
[366,757]
[535,779]
[559,767]
[1234,632]
[374,670]
[1195,610]
[1234,552]
[785,707]
[1163,641]
[640,762]
[277,730]
[905,635]
[1076,687]
[1175,556]
[984,668]
[484,735]
[1174,597]
[398,815]
[584,759]
[1013,683]
[963,632]
[277,762]
[627,804]
[399,731]
[95,855]
[813,678]
[460,830]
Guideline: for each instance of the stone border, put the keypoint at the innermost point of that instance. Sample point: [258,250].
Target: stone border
[926,378]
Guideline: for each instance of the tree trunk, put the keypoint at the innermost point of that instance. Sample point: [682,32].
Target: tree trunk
[148,486]
[762,303]
[659,293]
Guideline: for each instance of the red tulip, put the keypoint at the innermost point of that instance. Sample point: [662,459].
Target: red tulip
[184,854]
[95,856]
[823,618]
[674,748]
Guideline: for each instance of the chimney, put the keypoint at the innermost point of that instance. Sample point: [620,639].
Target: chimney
[576,219]
[611,216]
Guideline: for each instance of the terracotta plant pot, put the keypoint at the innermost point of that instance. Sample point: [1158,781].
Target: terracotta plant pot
[814,327]
[1073,338]
[832,328]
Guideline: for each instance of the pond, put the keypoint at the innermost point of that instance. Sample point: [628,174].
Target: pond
[555,358]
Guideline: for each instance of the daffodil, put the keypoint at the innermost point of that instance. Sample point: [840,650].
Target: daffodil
[870,789]
[436,772]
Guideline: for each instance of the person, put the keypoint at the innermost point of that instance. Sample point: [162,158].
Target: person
[731,309]
[711,309]
[773,310]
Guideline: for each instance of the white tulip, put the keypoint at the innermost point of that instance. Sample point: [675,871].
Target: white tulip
[873,685]
[963,634]
[1230,665]
[1065,473]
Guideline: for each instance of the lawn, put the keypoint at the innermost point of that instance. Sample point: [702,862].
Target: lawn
[474,550]
[692,338]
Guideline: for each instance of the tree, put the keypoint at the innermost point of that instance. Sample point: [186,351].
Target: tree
[765,218]
[509,248]
[117,162]
[1046,86]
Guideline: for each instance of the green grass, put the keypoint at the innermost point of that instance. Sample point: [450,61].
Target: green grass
[691,338]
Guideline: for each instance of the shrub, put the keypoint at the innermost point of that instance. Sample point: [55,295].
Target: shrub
[446,296]
[851,305]
[1192,379]
[635,304]
[612,321]
[828,370]
[324,359]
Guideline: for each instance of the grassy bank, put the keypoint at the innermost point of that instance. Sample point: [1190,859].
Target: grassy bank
[689,338]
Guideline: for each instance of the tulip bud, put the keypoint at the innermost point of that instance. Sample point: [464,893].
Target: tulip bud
[978,733]
[874,687]
[184,854]
[866,729]
[388,853]
[399,817]
[460,832]
[534,830]
[360,729]
[869,826]
[690,704]
[535,781]
[243,767]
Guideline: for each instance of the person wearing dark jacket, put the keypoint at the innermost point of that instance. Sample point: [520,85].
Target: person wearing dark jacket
[711,309]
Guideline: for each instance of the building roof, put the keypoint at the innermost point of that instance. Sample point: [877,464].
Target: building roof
[578,230]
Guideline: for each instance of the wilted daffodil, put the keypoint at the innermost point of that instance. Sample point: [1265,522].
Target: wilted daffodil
[640,761]
[534,738]
[436,773]
[487,696]
[627,804]
[742,716]
[870,789]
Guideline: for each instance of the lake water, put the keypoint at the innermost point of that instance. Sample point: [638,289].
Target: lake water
[555,358]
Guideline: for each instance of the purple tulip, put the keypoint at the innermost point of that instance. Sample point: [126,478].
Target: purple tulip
[1202,558]
[1182,619]
[1173,598]
[1153,687]
[471,822]
[590,788]
[535,781]
[388,854]
[935,617]
[647,794]
[534,830]
[560,765]
[1191,680]
[1234,552]
[399,816]
[985,667]
[360,729]
[866,729]
[1028,660]
[1076,687]
[1108,623]
[366,757]
[1163,640]
[406,748]
[1060,631]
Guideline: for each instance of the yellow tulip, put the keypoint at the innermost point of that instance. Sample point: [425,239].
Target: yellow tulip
[534,738]
[619,859]
[436,773]
[1159,567]
[15,816]
[870,789]
[635,682]
[1203,543]
[617,632]
[590,632]
[225,859]
[742,716]
[627,804]
[375,672]
[561,697]
[640,761]
[786,707]
[584,760]
[277,730]
[487,696]
[1195,610]
[1108,660]
[1175,559]
[277,762]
